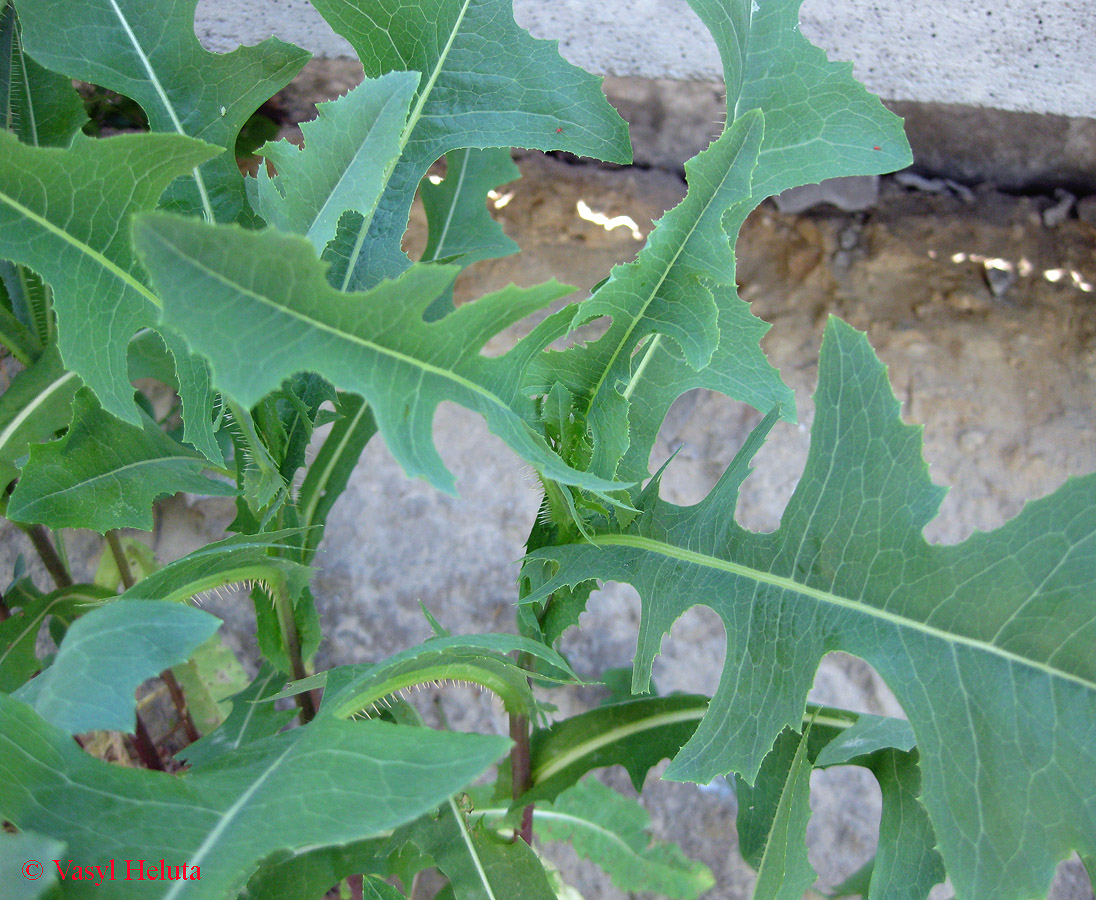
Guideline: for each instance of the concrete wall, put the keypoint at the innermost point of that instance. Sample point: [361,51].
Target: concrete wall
[1005,54]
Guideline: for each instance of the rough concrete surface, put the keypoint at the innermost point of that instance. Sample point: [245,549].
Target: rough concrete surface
[671,121]
[987,320]
[1006,54]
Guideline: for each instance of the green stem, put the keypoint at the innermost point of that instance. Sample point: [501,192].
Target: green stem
[119,554]
[43,546]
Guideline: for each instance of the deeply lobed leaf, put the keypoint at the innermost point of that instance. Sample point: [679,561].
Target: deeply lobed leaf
[681,286]
[270,290]
[348,156]
[64,213]
[906,866]
[147,50]
[519,94]
[105,473]
[990,645]
[677,324]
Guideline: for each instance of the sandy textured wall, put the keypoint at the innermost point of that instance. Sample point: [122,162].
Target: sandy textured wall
[1005,54]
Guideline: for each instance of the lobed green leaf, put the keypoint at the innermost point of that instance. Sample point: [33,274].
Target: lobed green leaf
[461,229]
[480,864]
[19,659]
[520,94]
[147,50]
[783,870]
[105,473]
[36,405]
[41,107]
[907,864]
[611,830]
[250,720]
[349,152]
[989,645]
[104,658]
[270,291]
[65,213]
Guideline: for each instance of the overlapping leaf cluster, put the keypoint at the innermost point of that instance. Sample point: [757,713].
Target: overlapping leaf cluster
[277,305]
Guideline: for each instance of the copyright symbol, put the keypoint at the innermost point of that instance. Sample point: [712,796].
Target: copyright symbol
[32,870]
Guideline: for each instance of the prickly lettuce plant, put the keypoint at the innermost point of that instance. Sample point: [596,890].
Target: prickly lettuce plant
[273,305]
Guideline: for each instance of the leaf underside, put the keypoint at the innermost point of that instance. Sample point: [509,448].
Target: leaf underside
[1004,697]
[64,213]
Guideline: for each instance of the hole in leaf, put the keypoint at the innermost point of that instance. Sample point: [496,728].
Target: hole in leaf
[606,636]
[707,429]
[846,681]
[692,653]
[843,830]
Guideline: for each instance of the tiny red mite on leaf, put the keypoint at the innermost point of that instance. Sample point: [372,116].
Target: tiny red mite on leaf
[559,130]
[877,148]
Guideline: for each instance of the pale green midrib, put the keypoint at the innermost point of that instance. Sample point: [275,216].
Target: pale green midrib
[567,818]
[405,136]
[783,806]
[252,707]
[452,208]
[467,838]
[27,411]
[613,735]
[36,621]
[745,57]
[207,208]
[778,581]
[650,723]
[159,460]
[83,248]
[17,53]
[429,368]
[648,354]
[325,476]
[226,819]
[343,177]
[653,293]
